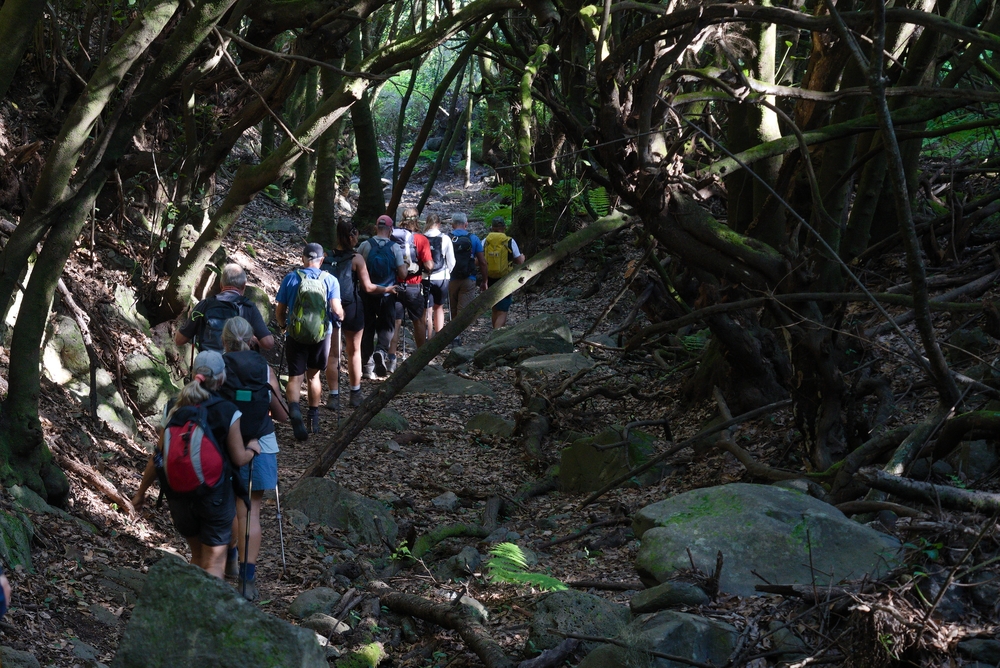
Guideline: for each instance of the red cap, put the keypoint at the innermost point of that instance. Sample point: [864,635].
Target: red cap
[384,221]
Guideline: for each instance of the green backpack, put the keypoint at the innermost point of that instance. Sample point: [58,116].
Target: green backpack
[307,322]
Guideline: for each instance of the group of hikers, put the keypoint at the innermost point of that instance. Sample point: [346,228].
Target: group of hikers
[217,450]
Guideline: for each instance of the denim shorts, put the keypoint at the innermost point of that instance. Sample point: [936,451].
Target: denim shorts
[265,472]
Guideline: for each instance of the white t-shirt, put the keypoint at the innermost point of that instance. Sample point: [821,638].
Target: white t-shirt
[447,250]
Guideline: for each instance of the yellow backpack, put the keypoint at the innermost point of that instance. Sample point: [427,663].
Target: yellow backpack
[499,254]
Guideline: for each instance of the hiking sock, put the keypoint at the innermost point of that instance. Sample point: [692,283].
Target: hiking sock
[333,400]
[391,366]
[248,572]
[232,554]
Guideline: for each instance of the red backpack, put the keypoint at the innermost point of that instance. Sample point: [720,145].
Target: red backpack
[192,460]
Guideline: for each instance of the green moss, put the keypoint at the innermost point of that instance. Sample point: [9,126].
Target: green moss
[368,656]
[706,507]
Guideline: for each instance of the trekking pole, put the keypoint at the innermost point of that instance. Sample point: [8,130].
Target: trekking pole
[246,533]
[281,364]
[281,533]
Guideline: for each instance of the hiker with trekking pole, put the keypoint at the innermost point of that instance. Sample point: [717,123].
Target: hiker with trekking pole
[200,444]
[252,385]
[308,304]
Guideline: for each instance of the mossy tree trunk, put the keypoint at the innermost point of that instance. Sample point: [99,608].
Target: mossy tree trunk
[21,431]
[371,196]
[17,24]
[323,228]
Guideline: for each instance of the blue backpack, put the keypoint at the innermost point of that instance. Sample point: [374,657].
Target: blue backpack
[381,261]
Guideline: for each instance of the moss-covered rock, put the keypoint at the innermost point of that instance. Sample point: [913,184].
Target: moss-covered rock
[316,600]
[574,612]
[389,420]
[368,656]
[432,380]
[16,531]
[583,468]
[542,335]
[261,300]
[700,639]
[764,532]
[186,617]
[324,501]
[110,406]
[491,425]
[151,381]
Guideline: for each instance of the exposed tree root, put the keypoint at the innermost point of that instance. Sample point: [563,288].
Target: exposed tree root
[946,496]
[451,617]
[99,482]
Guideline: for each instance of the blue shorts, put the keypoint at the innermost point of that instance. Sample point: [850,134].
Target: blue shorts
[265,472]
[504,304]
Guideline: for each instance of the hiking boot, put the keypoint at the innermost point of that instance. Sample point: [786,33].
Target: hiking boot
[392,364]
[313,423]
[356,398]
[369,372]
[298,425]
[333,401]
[232,569]
[381,370]
[456,342]
[248,590]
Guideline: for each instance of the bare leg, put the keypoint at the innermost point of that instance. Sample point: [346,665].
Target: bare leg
[352,346]
[314,387]
[438,318]
[211,558]
[419,332]
[333,363]
[241,517]
[499,319]
[293,389]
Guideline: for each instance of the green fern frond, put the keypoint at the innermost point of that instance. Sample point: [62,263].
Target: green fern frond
[599,200]
[509,565]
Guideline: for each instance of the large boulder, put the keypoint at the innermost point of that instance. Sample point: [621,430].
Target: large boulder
[432,380]
[491,425]
[761,530]
[186,617]
[317,600]
[555,364]
[583,468]
[151,380]
[65,362]
[261,300]
[668,632]
[574,612]
[542,335]
[323,500]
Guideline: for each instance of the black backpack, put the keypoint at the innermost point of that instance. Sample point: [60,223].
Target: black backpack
[436,253]
[338,264]
[247,386]
[213,319]
[465,264]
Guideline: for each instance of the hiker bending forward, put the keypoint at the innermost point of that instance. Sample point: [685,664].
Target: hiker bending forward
[252,385]
[206,520]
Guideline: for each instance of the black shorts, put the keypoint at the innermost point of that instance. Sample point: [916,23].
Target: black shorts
[412,301]
[303,356]
[208,518]
[438,292]
[354,317]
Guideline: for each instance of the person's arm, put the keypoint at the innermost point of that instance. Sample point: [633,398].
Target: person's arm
[483,270]
[337,308]
[148,476]
[262,338]
[361,271]
[518,255]
[279,411]
[238,453]
[400,264]
[448,250]
[187,331]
